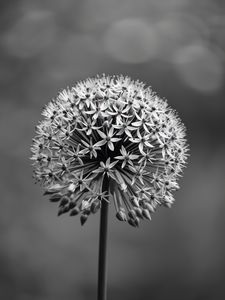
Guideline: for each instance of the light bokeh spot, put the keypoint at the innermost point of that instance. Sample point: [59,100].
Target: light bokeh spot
[199,67]
[176,31]
[33,33]
[131,41]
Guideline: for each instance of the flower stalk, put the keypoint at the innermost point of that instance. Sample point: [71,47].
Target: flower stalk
[103,233]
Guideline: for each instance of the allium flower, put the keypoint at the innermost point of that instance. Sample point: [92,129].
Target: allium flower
[114,128]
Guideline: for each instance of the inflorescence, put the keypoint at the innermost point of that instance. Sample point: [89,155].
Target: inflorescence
[113,128]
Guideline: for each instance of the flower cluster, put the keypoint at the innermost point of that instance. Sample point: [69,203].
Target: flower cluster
[115,128]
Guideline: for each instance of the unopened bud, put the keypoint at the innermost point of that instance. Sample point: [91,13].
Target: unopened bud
[64,201]
[134,201]
[138,211]
[87,211]
[137,221]
[60,211]
[121,215]
[83,219]
[146,214]
[132,214]
[72,204]
[74,211]
[63,210]
[66,208]
[132,222]
[53,189]
[55,197]
[95,207]
[149,207]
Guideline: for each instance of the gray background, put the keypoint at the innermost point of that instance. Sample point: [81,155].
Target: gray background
[177,47]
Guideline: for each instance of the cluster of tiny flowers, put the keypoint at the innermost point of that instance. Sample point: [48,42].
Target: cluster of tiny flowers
[113,128]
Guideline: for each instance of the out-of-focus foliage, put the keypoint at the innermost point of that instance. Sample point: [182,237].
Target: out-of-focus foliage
[177,46]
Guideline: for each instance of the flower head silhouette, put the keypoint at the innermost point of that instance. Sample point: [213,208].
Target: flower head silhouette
[115,128]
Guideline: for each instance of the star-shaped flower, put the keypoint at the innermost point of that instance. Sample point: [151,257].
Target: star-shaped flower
[88,126]
[124,127]
[90,148]
[126,157]
[106,168]
[108,139]
[142,140]
[109,129]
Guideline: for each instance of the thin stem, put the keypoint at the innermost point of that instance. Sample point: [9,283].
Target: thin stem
[102,261]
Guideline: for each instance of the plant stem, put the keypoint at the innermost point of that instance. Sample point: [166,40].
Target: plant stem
[102,259]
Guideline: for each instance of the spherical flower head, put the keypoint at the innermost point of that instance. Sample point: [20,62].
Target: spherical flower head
[113,128]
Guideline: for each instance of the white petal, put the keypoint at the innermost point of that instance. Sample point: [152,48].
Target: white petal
[100,143]
[102,134]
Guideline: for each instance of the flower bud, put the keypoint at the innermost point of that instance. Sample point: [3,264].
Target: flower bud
[66,208]
[95,207]
[149,207]
[146,214]
[87,211]
[55,197]
[134,201]
[138,211]
[83,219]
[132,222]
[64,201]
[62,210]
[132,214]
[74,211]
[53,189]
[137,221]
[121,215]
[72,204]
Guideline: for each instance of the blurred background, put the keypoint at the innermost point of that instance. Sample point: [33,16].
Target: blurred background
[177,47]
